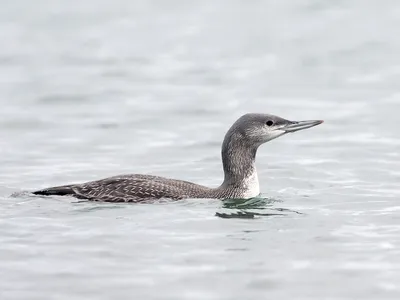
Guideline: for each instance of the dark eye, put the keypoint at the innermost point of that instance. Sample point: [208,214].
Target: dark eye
[270,123]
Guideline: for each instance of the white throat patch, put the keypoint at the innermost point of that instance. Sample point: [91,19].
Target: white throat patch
[252,185]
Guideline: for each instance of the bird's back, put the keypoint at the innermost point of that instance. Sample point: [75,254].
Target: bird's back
[130,188]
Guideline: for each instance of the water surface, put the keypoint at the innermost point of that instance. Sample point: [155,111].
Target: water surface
[91,89]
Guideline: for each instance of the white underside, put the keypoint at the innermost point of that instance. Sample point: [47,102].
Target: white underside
[252,185]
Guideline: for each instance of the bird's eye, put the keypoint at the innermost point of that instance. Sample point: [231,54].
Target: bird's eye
[269,123]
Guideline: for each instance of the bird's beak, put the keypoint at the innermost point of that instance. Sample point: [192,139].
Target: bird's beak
[300,125]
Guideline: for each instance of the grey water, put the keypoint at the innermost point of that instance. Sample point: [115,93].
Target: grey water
[90,89]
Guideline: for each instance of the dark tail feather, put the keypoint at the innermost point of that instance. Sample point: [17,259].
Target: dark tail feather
[56,191]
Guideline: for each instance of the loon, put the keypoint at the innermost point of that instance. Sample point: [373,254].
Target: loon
[239,150]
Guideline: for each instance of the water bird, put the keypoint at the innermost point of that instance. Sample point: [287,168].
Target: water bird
[239,149]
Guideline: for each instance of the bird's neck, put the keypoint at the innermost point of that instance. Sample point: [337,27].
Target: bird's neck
[238,159]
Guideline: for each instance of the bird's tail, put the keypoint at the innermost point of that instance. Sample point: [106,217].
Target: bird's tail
[56,191]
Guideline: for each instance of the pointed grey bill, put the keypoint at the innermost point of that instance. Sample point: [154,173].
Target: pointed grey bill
[300,125]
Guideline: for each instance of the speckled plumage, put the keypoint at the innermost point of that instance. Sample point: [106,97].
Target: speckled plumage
[239,150]
[136,188]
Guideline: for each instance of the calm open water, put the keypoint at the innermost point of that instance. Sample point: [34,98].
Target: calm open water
[90,89]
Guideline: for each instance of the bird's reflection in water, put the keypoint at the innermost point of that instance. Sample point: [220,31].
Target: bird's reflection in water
[252,208]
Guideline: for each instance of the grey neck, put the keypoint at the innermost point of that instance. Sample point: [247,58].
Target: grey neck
[238,159]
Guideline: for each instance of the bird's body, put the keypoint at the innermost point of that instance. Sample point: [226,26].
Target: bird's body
[139,187]
[239,150]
